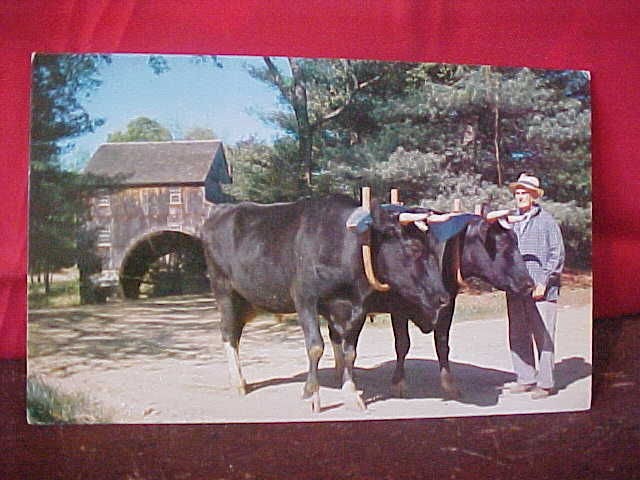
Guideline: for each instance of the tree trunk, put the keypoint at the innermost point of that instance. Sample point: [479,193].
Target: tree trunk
[47,282]
[493,99]
[496,140]
[300,107]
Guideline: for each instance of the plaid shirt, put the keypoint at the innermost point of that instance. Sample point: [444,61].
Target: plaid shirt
[540,243]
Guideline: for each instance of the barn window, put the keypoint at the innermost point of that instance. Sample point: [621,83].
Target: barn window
[175,196]
[104,201]
[104,237]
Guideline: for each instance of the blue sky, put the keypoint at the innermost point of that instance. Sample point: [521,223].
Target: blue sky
[227,100]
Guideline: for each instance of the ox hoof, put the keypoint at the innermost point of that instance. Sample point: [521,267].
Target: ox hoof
[315,402]
[352,397]
[313,398]
[312,393]
[453,394]
[399,390]
[450,388]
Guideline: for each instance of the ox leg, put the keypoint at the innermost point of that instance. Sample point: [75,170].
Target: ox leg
[338,352]
[233,312]
[441,338]
[350,393]
[402,343]
[308,319]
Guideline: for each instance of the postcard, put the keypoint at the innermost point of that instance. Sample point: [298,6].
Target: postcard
[233,239]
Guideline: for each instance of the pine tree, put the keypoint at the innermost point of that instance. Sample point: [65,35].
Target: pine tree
[59,83]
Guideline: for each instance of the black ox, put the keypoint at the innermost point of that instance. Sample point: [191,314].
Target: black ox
[485,249]
[300,257]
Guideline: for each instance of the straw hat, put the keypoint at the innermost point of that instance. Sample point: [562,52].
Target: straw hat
[528,182]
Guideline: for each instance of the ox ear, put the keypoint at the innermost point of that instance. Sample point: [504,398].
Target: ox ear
[360,220]
[385,219]
[447,225]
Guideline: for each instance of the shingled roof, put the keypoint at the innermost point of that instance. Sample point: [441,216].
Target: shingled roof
[157,163]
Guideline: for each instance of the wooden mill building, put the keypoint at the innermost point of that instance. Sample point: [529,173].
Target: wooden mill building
[159,196]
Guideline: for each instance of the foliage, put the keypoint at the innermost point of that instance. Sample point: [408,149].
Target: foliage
[199,133]
[62,294]
[428,179]
[265,173]
[59,84]
[45,405]
[487,121]
[575,222]
[317,96]
[141,129]
[495,123]
[435,131]
[57,208]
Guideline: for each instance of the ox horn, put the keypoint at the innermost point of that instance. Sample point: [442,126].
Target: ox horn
[366,249]
[408,217]
[504,216]
[496,215]
[368,270]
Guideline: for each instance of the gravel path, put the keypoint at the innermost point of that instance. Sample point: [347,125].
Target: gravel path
[162,361]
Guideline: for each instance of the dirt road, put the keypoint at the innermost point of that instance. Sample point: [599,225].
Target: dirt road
[162,361]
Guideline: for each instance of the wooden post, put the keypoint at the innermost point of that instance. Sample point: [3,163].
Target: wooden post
[394,196]
[366,198]
[478,209]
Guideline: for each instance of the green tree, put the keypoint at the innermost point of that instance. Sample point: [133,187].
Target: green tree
[436,131]
[59,83]
[495,122]
[265,173]
[141,129]
[317,94]
[200,133]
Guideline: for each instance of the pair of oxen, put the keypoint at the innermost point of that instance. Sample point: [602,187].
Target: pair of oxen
[314,257]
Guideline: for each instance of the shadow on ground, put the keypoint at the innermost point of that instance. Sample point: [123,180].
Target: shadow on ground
[479,386]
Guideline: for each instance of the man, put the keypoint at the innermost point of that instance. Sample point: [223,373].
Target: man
[532,319]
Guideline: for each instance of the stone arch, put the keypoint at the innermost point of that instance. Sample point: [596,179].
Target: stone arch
[189,277]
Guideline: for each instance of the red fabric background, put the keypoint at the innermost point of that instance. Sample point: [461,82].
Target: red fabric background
[602,37]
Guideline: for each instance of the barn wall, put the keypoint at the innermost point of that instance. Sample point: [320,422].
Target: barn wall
[124,217]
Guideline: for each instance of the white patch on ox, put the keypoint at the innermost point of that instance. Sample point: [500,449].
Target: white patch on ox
[233,363]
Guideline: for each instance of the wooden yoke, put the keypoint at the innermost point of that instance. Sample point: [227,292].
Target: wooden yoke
[394,197]
[366,248]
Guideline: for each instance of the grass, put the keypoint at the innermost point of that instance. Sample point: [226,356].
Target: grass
[46,405]
[64,293]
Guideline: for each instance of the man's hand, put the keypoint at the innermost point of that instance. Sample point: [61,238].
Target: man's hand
[538,292]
